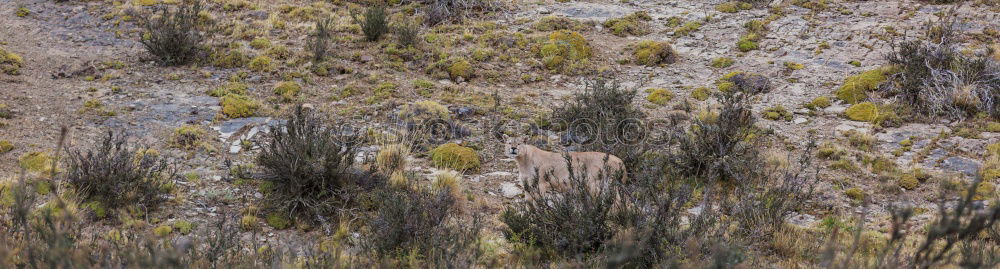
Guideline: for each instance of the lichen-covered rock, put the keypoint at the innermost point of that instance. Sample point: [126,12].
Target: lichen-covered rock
[454,156]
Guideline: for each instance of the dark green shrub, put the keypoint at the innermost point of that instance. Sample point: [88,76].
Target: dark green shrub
[319,40]
[172,35]
[114,175]
[447,11]
[604,118]
[962,234]
[935,78]
[720,147]
[310,165]
[574,224]
[375,22]
[408,34]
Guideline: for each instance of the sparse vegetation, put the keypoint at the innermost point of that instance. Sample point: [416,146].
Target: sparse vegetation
[634,24]
[598,120]
[172,36]
[652,53]
[113,176]
[934,78]
[564,50]
[374,22]
[454,156]
[10,63]
[365,132]
[309,164]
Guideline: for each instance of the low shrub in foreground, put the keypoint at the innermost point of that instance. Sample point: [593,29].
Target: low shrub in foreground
[115,174]
[310,165]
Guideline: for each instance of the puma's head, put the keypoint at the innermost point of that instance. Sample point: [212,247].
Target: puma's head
[513,146]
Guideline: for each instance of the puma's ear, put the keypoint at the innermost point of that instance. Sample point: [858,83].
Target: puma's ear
[498,134]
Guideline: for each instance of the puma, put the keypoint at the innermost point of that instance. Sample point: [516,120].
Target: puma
[551,170]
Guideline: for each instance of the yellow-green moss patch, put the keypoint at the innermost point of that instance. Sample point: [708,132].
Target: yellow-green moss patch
[794,66]
[163,231]
[866,111]
[455,157]
[701,93]
[261,64]
[424,111]
[733,6]
[229,88]
[260,43]
[249,222]
[233,58]
[6,146]
[188,136]
[855,194]
[633,24]
[10,63]
[22,12]
[652,53]
[855,88]
[36,162]
[908,181]
[722,62]
[553,23]
[460,68]
[183,227]
[238,106]
[278,221]
[687,28]
[747,43]
[777,112]
[818,103]
[288,90]
[659,96]
[564,48]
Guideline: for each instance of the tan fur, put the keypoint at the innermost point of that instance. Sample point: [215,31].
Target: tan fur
[554,172]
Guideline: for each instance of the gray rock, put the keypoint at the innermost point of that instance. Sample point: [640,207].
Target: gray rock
[961,164]
[510,190]
[835,109]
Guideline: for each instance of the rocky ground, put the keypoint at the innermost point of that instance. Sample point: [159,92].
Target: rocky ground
[78,54]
